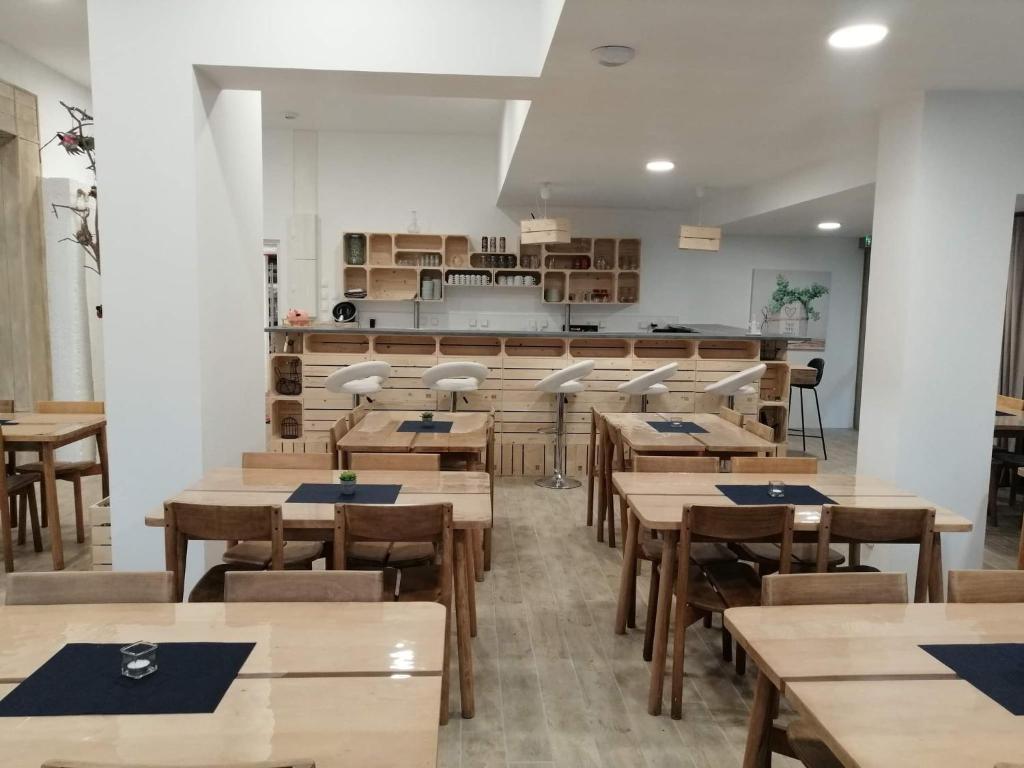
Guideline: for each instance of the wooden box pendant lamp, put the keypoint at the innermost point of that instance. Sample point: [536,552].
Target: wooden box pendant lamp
[700,238]
[536,231]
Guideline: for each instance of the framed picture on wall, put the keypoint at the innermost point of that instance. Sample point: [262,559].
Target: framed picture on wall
[792,302]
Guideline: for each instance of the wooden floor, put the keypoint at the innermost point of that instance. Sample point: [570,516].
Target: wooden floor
[555,685]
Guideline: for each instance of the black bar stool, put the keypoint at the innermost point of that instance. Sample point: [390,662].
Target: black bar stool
[818,364]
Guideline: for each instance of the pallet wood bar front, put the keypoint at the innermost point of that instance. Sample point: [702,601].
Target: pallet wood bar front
[524,417]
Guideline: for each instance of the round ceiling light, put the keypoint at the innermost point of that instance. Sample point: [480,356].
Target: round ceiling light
[858,36]
[829,225]
[660,166]
[613,55]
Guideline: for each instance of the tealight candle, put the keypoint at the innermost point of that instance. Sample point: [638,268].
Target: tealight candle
[138,660]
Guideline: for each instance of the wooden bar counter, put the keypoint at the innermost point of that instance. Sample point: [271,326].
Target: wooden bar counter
[301,359]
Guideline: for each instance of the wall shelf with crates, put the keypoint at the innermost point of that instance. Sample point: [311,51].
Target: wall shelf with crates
[380,266]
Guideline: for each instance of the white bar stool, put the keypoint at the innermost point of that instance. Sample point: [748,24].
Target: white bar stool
[741,383]
[648,384]
[455,378]
[562,383]
[359,379]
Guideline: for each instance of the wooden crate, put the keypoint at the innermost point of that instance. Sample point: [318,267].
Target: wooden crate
[100,537]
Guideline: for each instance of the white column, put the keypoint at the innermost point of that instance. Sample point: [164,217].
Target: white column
[949,167]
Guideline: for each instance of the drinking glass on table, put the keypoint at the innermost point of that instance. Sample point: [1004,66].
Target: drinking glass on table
[776,489]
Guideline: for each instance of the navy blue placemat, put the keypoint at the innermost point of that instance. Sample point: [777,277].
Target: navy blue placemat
[85,679]
[6,422]
[995,669]
[758,494]
[1003,413]
[686,427]
[330,493]
[439,427]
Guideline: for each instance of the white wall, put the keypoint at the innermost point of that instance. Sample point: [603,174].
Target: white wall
[371,182]
[50,87]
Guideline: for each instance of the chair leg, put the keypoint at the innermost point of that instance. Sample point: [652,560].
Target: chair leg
[445,663]
[821,426]
[726,644]
[803,424]
[5,532]
[741,660]
[993,492]
[76,482]
[652,612]
[33,512]
[20,512]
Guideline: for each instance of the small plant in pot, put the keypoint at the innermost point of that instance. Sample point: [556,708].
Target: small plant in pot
[427,420]
[348,482]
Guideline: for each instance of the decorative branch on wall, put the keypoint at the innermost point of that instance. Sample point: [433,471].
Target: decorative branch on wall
[77,141]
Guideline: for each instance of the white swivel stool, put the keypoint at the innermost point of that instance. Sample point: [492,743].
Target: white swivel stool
[359,379]
[648,384]
[455,378]
[741,383]
[562,383]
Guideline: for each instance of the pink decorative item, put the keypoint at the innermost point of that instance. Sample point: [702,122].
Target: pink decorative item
[298,317]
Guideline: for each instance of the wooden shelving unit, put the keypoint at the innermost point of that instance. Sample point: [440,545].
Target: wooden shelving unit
[586,270]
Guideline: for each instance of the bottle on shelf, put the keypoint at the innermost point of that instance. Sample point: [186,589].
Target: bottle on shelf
[483,244]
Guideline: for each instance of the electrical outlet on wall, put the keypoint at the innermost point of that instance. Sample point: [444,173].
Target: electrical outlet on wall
[484,323]
[472,322]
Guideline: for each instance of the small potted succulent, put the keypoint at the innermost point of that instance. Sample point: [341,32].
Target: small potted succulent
[427,420]
[348,482]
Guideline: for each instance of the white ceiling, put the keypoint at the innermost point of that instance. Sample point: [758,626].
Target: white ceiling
[54,32]
[853,208]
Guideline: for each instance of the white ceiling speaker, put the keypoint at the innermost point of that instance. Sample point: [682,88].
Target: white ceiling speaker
[858,36]
[613,55]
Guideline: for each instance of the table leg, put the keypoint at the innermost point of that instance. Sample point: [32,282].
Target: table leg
[755,754]
[5,531]
[472,556]
[665,588]
[465,646]
[602,486]
[627,579]
[478,556]
[50,502]
[936,592]
[101,450]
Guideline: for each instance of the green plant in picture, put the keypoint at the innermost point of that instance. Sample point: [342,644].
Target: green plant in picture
[786,294]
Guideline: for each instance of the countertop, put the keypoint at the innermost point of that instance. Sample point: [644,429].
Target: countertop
[701,331]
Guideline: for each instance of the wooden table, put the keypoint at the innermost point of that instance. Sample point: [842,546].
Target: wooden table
[45,433]
[664,512]
[378,433]
[468,492]
[934,723]
[1009,419]
[858,672]
[721,436]
[295,698]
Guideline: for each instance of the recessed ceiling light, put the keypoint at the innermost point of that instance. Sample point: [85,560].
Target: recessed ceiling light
[660,166]
[290,115]
[858,36]
[827,225]
[613,55]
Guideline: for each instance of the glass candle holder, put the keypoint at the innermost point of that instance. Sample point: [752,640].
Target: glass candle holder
[138,660]
[776,489]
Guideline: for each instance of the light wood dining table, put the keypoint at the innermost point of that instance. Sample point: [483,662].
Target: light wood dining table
[45,433]
[468,492]
[378,432]
[655,500]
[859,673]
[339,683]
[720,436]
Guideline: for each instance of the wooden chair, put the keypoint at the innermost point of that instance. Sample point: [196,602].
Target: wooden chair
[697,464]
[304,587]
[304,763]
[766,556]
[593,462]
[74,588]
[275,460]
[357,414]
[403,462]
[214,522]
[755,427]
[867,525]
[615,460]
[18,496]
[418,523]
[801,740]
[733,417]
[728,585]
[71,471]
[778,465]
[986,587]
[337,431]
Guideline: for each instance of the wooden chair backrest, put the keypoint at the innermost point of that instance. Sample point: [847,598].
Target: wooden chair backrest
[95,407]
[1009,403]
[833,588]
[986,586]
[301,763]
[866,525]
[422,462]
[274,460]
[72,588]
[701,464]
[409,522]
[338,430]
[780,465]
[757,428]
[214,522]
[6,406]
[733,417]
[357,414]
[304,587]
